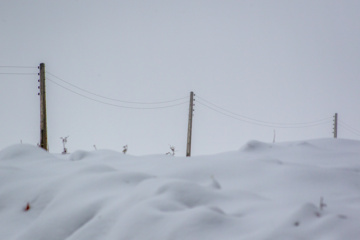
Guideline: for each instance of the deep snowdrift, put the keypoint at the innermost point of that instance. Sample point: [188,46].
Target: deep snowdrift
[297,190]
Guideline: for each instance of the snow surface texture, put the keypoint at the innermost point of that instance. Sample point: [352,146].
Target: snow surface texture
[297,190]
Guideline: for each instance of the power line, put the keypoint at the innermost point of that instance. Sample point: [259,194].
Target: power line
[18,73]
[114,105]
[349,128]
[17,67]
[260,122]
[113,99]
[344,123]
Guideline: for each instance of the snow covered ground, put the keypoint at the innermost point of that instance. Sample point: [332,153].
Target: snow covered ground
[294,190]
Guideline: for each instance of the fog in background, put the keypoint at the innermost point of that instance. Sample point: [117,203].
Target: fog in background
[256,68]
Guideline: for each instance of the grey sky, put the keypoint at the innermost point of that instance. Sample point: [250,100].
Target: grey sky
[275,61]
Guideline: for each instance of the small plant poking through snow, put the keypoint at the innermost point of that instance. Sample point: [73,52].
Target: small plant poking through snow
[64,140]
[125,148]
[274,136]
[322,204]
[172,149]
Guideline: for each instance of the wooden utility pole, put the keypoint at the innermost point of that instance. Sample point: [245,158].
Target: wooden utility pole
[335,125]
[43,122]
[191,110]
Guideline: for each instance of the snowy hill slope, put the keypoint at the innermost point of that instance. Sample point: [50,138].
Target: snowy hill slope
[296,190]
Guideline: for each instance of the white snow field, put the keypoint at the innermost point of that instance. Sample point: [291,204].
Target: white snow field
[294,190]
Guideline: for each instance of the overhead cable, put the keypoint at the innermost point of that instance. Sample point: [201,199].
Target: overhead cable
[17,67]
[260,122]
[349,128]
[114,105]
[18,73]
[113,99]
[263,123]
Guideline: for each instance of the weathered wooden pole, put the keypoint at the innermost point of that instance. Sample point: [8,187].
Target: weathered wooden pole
[191,110]
[335,125]
[43,122]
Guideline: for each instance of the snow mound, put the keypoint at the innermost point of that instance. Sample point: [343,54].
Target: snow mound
[265,191]
[310,219]
[255,145]
[79,155]
[21,152]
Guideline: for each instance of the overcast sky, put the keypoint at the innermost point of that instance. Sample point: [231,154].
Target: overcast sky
[280,66]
